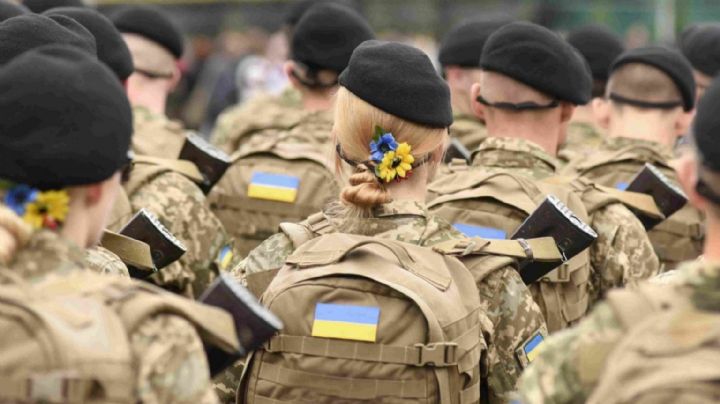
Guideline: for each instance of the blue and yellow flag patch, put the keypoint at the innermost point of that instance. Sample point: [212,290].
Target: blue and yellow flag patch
[274,187]
[490,233]
[532,347]
[342,321]
[224,258]
[622,186]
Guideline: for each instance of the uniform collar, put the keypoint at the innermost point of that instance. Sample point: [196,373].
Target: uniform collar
[514,153]
[47,254]
[617,143]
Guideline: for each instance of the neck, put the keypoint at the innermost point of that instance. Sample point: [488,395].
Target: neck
[642,127]
[543,136]
[583,114]
[460,102]
[317,101]
[712,238]
[154,101]
[412,189]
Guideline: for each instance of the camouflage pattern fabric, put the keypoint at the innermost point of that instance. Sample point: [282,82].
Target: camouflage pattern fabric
[622,255]
[103,261]
[263,112]
[169,361]
[507,302]
[155,135]
[582,139]
[571,363]
[180,206]
[468,130]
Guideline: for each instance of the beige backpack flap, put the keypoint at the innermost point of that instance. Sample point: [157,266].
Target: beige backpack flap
[500,185]
[184,167]
[130,251]
[626,153]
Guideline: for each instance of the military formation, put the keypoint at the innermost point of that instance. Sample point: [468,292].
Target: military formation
[536,221]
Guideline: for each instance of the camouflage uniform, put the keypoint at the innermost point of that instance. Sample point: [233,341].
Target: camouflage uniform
[180,206]
[170,364]
[582,138]
[562,372]
[104,261]
[468,130]
[506,300]
[155,135]
[263,112]
[622,254]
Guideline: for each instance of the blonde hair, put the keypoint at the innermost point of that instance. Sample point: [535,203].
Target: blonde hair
[355,122]
[14,234]
[643,82]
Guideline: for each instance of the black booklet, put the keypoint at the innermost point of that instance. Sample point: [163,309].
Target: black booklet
[211,161]
[164,247]
[668,197]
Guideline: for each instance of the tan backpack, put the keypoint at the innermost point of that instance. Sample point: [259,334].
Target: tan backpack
[369,320]
[670,353]
[66,339]
[269,183]
[677,239]
[494,205]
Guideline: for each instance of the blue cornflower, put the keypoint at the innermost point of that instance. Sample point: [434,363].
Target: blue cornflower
[19,196]
[383,144]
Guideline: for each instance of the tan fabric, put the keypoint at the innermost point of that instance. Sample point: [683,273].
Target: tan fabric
[428,343]
[156,135]
[302,152]
[468,130]
[503,201]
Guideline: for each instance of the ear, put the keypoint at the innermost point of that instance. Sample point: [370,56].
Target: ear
[683,122]
[288,68]
[93,193]
[477,108]
[686,167]
[566,111]
[601,111]
[176,77]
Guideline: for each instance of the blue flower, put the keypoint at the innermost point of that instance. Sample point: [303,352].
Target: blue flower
[19,196]
[381,145]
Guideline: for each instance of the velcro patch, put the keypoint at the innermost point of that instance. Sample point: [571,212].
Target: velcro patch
[342,321]
[530,349]
[490,233]
[273,187]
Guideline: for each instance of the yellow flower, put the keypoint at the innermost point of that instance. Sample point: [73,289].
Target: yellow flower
[49,209]
[396,164]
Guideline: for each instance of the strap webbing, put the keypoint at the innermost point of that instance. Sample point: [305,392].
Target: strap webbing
[350,388]
[184,167]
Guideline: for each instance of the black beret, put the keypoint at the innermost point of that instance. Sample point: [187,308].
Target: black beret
[599,46]
[463,45]
[40,6]
[111,48]
[26,32]
[66,119]
[9,9]
[297,9]
[151,23]
[400,80]
[669,62]
[539,58]
[701,46]
[327,35]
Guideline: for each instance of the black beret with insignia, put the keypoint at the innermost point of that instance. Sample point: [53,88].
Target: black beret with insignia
[539,58]
[66,119]
[463,45]
[701,46]
[151,23]
[400,80]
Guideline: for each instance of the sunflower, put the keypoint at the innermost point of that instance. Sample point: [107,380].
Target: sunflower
[49,209]
[396,164]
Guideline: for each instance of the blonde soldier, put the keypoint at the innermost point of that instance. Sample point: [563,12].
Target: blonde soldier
[283,175]
[658,344]
[59,184]
[460,51]
[390,119]
[524,110]
[600,47]
[648,105]
[156,46]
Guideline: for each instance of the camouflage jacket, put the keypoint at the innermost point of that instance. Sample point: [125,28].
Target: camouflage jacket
[515,317]
[622,254]
[263,112]
[104,261]
[571,363]
[170,364]
[468,130]
[180,206]
[582,139]
[156,135]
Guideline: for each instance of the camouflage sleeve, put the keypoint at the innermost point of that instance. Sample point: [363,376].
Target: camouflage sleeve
[622,254]
[103,261]
[170,363]
[222,135]
[180,206]
[269,255]
[516,319]
[571,361]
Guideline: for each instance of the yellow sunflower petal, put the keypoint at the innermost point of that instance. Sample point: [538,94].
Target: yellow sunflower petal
[32,215]
[404,149]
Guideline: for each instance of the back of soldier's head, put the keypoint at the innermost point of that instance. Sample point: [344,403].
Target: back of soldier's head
[644,83]
[600,47]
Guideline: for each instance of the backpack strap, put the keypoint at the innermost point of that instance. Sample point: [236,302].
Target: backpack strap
[297,233]
[146,168]
[542,249]
[286,151]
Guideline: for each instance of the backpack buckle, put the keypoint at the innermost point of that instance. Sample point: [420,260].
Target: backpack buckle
[436,354]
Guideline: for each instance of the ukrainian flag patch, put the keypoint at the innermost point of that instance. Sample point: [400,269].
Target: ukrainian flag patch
[342,321]
[532,347]
[490,233]
[224,258]
[622,186]
[274,187]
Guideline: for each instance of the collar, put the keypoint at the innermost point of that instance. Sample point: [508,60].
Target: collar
[514,153]
[45,254]
[617,143]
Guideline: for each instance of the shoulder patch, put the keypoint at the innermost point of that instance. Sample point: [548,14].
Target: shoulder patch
[343,321]
[622,186]
[529,350]
[470,230]
[274,187]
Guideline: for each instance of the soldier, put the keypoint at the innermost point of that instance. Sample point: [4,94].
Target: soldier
[297,154]
[156,46]
[65,132]
[648,345]
[460,51]
[600,47]
[648,105]
[391,97]
[524,110]
[698,44]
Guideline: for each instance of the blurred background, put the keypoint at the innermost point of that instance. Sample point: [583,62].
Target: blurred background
[236,48]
